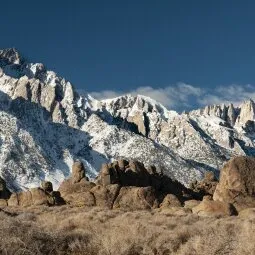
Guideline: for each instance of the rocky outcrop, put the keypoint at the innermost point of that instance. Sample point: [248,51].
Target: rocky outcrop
[47,186]
[134,173]
[129,185]
[136,198]
[170,200]
[3,202]
[140,110]
[80,199]
[248,213]
[10,56]
[76,190]
[75,194]
[120,184]
[105,195]
[206,186]
[227,113]
[124,173]
[214,208]
[4,192]
[78,172]
[36,196]
[247,112]
[236,184]
[232,116]
[191,203]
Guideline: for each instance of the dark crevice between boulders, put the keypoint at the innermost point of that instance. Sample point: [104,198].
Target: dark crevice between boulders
[115,197]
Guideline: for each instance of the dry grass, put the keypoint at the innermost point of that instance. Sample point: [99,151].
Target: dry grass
[64,230]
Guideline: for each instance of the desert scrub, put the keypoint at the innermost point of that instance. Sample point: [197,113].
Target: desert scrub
[66,230]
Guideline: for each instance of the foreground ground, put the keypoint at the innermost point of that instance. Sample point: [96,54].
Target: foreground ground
[65,230]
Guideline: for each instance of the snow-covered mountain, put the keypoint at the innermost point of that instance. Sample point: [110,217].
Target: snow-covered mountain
[45,125]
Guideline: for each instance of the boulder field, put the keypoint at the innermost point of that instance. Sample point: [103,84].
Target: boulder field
[129,185]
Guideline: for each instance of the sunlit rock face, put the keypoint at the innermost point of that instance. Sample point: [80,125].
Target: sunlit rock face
[236,183]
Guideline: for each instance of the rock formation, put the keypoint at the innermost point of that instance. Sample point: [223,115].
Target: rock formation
[105,196]
[237,183]
[47,186]
[78,172]
[134,173]
[129,185]
[122,184]
[36,196]
[170,200]
[191,203]
[4,193]
[214,208]
[206,186]
[136,198]
[76,189]
[248,213]
[247,112]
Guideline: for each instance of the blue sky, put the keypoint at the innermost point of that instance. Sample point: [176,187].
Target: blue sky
[182,53]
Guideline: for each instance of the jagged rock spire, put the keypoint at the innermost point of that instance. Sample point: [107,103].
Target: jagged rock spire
[247,112]
[10,56]
[231,115]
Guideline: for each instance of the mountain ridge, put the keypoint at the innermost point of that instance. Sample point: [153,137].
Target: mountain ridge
[46,125]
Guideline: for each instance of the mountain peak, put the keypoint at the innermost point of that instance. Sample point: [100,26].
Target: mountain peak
[10,56]
[129,105]
[248,102]
[247,111]
[42,116]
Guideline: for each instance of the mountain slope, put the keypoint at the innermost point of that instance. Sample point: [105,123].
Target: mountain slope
[45,125]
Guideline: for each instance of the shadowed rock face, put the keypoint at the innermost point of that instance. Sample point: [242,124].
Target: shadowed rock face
[11,55]
[47,186]
[134,173]
[105,195]
[4,192]
[237,183]
[206,186]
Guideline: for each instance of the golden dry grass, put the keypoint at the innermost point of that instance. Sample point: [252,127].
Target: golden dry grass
[64,230]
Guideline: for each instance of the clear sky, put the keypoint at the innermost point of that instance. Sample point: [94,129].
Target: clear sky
[160,48]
